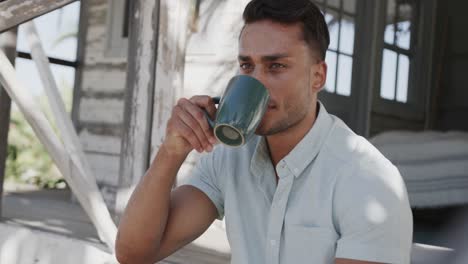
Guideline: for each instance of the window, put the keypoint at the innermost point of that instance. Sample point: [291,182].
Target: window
[340,17]
[398,50]
[404,62]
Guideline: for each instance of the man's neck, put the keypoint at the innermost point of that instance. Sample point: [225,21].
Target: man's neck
[281,144]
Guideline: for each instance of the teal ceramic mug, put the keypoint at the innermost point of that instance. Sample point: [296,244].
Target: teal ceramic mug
[240,110]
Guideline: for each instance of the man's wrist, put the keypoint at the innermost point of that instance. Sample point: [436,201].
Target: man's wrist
[167,153]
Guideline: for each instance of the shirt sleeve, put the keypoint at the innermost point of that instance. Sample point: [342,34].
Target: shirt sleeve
[373,215]
[204,178]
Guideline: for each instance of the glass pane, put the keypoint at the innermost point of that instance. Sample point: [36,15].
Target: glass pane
[349,6]
[389,34]
[404,26]
[334,3]
[58,32]
[347,35]
[345,70]
[332,19]
[387,82]
[403,73]
[64,76]
[331,71]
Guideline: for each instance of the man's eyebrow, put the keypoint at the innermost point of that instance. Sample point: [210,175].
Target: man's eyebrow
[274,57]
[271,57]
[243,58]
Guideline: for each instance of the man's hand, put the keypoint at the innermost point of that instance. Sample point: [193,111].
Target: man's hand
[188,128]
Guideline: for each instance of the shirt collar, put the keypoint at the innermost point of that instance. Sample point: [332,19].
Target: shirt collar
[304,152]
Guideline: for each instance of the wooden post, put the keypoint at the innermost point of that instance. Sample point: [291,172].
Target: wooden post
[158,34]
[142,48]
[8,45]
[366,55]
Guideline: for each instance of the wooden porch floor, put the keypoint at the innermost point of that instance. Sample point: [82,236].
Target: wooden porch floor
[52,211]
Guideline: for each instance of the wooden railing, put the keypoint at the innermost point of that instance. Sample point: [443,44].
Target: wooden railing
[65,150]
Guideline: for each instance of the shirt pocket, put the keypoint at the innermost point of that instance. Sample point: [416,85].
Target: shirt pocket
[305,244]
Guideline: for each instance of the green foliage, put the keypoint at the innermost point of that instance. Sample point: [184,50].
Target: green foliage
[28,160]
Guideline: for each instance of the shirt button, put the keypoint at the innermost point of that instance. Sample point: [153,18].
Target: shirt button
[273,242]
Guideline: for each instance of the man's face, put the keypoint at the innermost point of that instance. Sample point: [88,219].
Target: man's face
[277,55]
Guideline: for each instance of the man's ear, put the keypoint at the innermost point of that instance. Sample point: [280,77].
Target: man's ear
[319,72]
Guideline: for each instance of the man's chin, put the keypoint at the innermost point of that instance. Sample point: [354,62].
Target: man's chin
[261,131]
[264,130]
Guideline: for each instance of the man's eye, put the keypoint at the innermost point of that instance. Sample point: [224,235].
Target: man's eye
[277,66]
[245,66]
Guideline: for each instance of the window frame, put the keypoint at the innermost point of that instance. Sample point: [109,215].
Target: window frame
[409,53]
[419,83]
[325,7]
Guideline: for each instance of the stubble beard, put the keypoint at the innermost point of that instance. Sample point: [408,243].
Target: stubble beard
[295,114]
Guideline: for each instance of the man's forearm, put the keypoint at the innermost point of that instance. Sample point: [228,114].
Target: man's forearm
[143,223]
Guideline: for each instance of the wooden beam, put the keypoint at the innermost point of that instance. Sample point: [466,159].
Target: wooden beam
[8,45]
[64,124]
[142,48]
[16,12]
[158,35]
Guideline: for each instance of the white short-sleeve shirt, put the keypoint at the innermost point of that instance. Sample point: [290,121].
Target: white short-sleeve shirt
[337,197]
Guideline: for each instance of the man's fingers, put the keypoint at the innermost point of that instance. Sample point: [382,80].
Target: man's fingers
[194,125]
[211,109]
[195,118]
[201,100]
[200,116]
[206,103]
[184,128]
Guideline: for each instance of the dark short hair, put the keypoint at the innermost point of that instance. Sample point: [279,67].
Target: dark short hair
[315,28]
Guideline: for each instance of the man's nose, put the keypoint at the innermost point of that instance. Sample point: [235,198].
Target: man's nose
[259,75]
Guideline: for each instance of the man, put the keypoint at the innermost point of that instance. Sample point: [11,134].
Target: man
[306,189]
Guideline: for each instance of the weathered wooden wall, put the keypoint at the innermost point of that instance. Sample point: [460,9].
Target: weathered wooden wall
[99,103]
[99,100]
